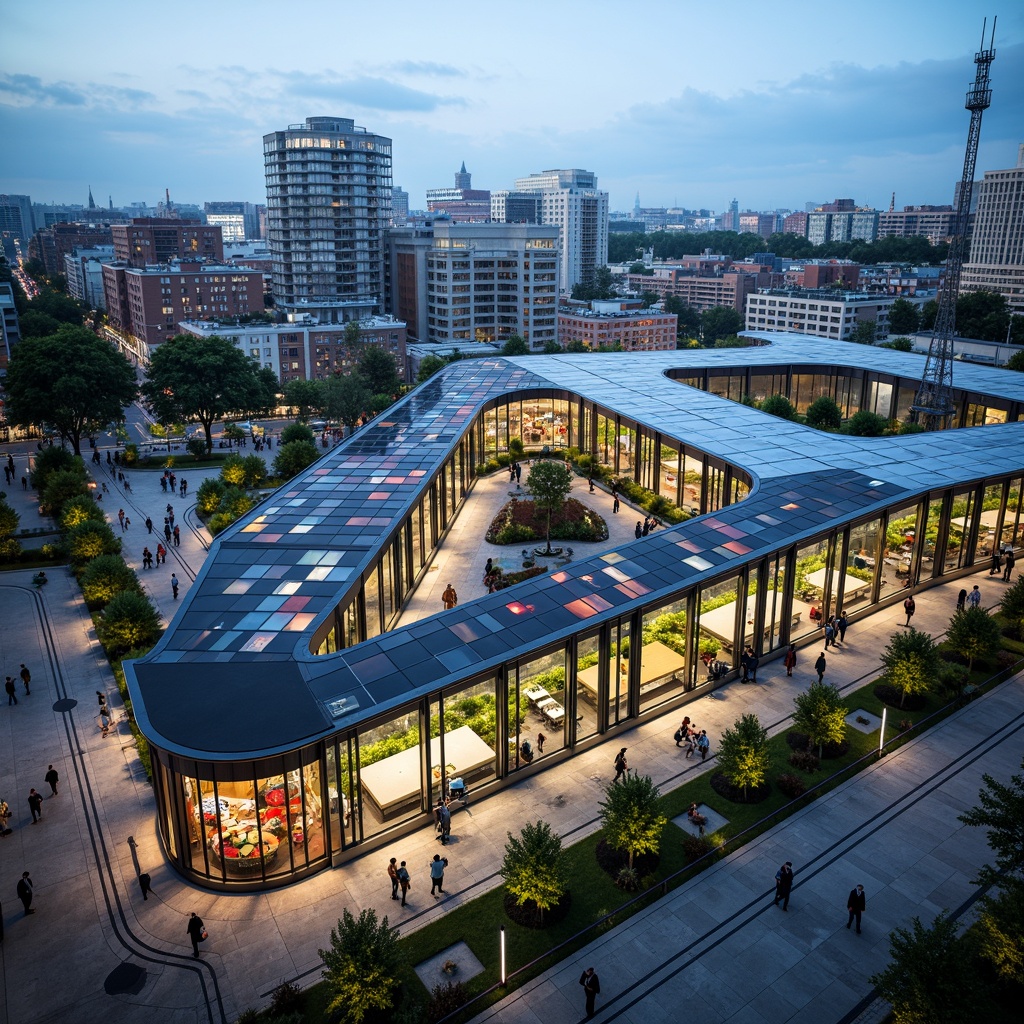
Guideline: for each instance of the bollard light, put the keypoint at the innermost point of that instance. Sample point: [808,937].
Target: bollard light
[881,732]
[501,951]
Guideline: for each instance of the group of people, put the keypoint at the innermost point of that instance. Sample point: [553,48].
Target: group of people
[644,528]
[833,626]
[1006,563]
[11,687]
[856,902]
[169,482]
[693,738]
[401,880]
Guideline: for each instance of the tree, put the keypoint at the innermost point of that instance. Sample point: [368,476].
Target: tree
[1001,811]
[900,344]
[297,432]
[208,496]
[821,713]
[929,311]
[688,318]
[931,978]
[602,286]
[911,662]
[824,414]
[362,967]
[983,315]
[549,484]
[232,472]
[128,622]
[866,424]
[61,487]
[80,509]
[778,405]
[89,540]
[1016,361]
[36,324]
[1001,930]
[743,755]
[649,298]
[904,317]
[72,380]
[346,399]
[292,458]
[533,867]
[429,365]
[630,817]
[719,322]
[973,633]
[254,470]
[204,379]
[576,346]
[305,397]
[378,373]
[353,334]
[864,332]
[9,519]
[551,347]
[1012,604]
[515,346]
[106,577]
[51,460]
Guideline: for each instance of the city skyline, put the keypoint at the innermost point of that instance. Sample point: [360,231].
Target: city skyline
[771,107]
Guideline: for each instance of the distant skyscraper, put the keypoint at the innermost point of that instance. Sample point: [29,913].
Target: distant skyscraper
[463,179]
[570,199]
[237,220]
[328,208]
[399,205]
[997,244]
[16,216]
[461,203]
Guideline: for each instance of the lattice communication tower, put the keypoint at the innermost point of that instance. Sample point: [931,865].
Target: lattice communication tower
[933,406]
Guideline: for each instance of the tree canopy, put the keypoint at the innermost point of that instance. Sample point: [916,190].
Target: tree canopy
[743,755]
[345,399]
[515,346]
[904,317]
[821,713]
[204,379]
[378,372]
[630,816]
[306,397]
[533,867]
[973,634]
[911,662]
[549,484]
[71,380]
[719,322]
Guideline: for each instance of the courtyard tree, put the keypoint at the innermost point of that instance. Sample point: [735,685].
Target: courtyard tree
[1000,810]
[429,365]
[297,432]
[378,372]
[821,713]
[630,817]
[305,397]
[743,755]
[904,317]
[973,634]
[106,577]
[824,414]
[719,322]
[533,867]
[128,622]
[9,519]
[549,484]
[1012,605]
[910,661]
[1016,361]
[80,509]
[362,967]
[71,380]
[345,399]
[204,379]
[292,458]
[61,487]
[89,540]
[864,332]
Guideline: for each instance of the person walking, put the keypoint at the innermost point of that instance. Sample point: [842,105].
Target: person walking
[961,600]
[444,821]
[745,665]
[620,764]
[997,563]
[176,534]
[682,732]
[1010,562]
[393,877]
[161,554]
[183,490]
[752,662]
[974,597]
[856,904]
[841,624]
[909,606]
[26,678]
[120,518]
[174,586]
[404,881]
[830,635]
[26,892]
[540,741]
[784,884]
[449,598]
[145,885]
[591,987]
[437,866]
[196,932]
[35,803]
[51,778]
[820,665]
[149,525]
[147,558]
[639,531]
[12,696]
[615,504]
[703,744]
[790,660]
[167,529]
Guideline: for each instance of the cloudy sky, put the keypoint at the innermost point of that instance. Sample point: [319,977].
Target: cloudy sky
[689,103]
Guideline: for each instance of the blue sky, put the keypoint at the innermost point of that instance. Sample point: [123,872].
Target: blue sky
[688,103]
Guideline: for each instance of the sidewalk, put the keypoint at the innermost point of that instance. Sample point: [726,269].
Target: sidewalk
[90,915]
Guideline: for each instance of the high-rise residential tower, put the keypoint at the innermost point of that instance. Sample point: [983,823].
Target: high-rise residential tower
[328,208]
[570,199]
[997,244]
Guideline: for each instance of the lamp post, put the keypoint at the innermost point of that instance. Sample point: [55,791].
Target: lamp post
[881,732]
[503,973]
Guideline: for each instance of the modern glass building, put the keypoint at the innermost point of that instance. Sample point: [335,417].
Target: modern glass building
[293,726]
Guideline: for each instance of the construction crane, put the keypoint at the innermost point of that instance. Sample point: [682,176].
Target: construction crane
[933,406]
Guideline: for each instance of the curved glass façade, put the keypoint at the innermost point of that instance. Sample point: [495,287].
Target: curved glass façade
[571,656]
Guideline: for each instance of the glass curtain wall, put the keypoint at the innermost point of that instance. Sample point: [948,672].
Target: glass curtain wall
[988,526]
[618,674]
[775,602]
[961,530]
[388,772]
[1012,532]
[663,662]
[810,583]
[862,565]
[898,552]
[721,609]
[537,708]
[589,665]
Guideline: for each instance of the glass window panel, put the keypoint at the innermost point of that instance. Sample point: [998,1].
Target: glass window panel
[663,664]
[717,623]
[389,785]
[1012,532]
[961,526]
[588,657]
[898,551]
[618,673]
[470,739]
[988,525]
[541,709]
[862,563]
[809,583]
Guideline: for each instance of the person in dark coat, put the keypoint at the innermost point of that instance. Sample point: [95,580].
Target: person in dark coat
[592,987]
[961,600]
[25,892]
[1010,562]
[620,764]
[145,884]
[35,803]
[820,665]
[51,778]
[784,884]
[790,660]
[909,606]
[195,932]
[855,904]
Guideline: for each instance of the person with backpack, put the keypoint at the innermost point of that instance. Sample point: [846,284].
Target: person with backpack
[620,764]
[404,881]
[703,744]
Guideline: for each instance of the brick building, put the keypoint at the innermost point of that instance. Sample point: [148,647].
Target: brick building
[51,244]
[607,324]
[148,240]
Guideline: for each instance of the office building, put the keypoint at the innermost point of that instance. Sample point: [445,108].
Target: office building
[836,223]
[16,217]
[703,281]
[144,306]
[296,720]
[148,241]
[10,333]
[83,269]
[997,244]
[570,200]
[821,312]
[508,207]
[328,211]
[238,221]
[614,324]
[463,203]
[305,350]
[399,205]
[463,283]
[763,224]
[936,223]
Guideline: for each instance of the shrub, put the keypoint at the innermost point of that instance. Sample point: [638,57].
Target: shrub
[286,999]
[824,414]
[806,760]
[821,712]
[50,461]
[445,999]
[1012,604]
[208,497]
[792,785]
[197,446]
[695,847]
[61,487]
[866,424]
[293,457]
[232,471]
[779,405]
[104,578]
[1006,660]
[82,509]
[953,679]
[89,540]
[128,621]
[130,455]
[296,432]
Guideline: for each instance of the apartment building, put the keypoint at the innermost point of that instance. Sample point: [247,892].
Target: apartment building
[611,324]
[144,241]
[822,313]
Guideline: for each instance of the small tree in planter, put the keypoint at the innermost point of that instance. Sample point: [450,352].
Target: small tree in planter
[973,633]
[743,756]
[911,662]
[821,713]
[630,817]
[549,484]
[533,868]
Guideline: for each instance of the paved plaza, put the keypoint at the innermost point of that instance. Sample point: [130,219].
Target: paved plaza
[717,942]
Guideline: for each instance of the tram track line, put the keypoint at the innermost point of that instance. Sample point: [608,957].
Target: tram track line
[120,926]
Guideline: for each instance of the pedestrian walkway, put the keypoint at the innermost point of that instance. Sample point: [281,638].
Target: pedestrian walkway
[100,832]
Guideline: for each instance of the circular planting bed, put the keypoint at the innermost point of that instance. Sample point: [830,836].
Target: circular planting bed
[519,521]
[891,696]
[530,917]
[613,861]
[754,794]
